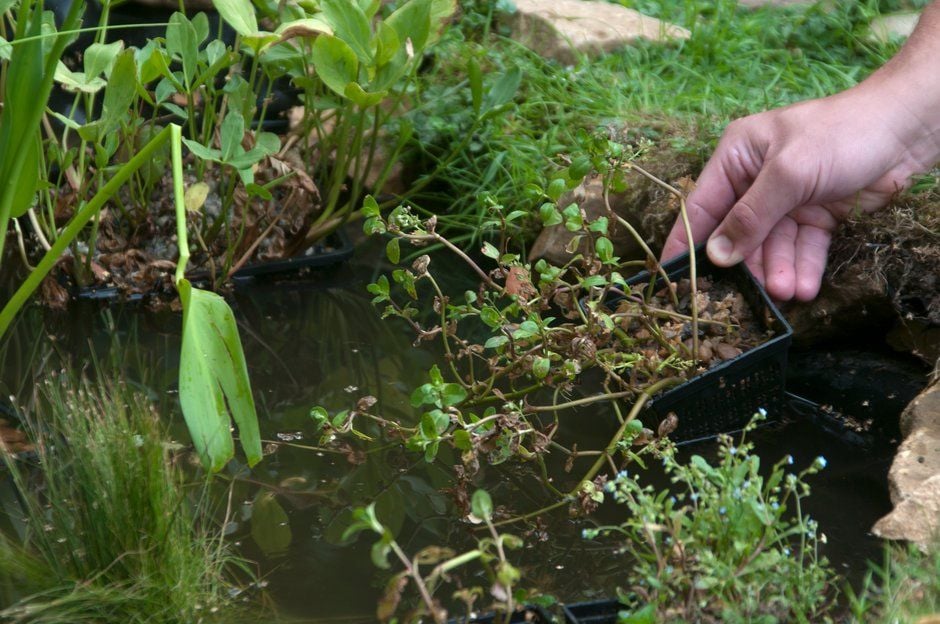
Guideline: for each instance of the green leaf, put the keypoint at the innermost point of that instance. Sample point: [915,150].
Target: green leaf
[393,251]
[604,249]
[239,14]
[462,440]
[270,525]
[363,98]
[335,63]
[549,215]
[99,58]
[412,20]
[181,42]
[556,189]
[490,251]
[504,90]
[213,380]
[540,367]
[481,505]
[495,342]
[120,92]
[201,151]
[350,24]
[231,134]
[475,77]
[387,44]
[370,207]
[452,394]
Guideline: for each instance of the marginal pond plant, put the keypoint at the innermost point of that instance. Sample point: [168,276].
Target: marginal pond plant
[103,524]
[727,542]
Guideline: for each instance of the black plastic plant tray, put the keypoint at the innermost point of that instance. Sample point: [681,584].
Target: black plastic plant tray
[724,398]
[335,248]
[532,613]
[594,612]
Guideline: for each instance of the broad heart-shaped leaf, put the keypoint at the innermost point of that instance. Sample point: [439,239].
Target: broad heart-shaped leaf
[412,21]
[386,44]
[349,24]
[335,62]
[120,92]
[213,381]
[309,27]
[240,15]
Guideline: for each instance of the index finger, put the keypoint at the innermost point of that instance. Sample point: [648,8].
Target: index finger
[707,205]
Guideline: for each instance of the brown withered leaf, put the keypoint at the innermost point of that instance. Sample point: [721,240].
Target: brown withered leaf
[53,294]
[519,283]
[391,597]
[668,425]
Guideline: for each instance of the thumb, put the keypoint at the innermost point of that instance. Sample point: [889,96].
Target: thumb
[770,197]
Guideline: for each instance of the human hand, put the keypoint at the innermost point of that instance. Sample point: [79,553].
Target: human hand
[780,181]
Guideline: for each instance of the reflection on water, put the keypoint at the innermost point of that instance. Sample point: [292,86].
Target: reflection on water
[321,342]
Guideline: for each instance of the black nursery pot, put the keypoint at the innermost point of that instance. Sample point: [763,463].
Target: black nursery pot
[531,613]
[724,398]
[594,612]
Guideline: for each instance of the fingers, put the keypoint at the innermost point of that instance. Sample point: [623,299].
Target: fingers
[812,248]
[773,194]
[712,198]
[779,251]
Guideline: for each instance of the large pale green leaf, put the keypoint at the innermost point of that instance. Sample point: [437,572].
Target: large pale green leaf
[240,15]
[78,81]
[213,381]
[335,62]
[363,98]
[349,24]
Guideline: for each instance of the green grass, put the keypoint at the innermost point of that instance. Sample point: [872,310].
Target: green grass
[905,588]
[736,62]
[106,529]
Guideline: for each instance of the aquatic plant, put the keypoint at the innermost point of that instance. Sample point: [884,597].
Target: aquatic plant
[106,525]
[724,543]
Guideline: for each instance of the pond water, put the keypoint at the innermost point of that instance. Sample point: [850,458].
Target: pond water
[319,341]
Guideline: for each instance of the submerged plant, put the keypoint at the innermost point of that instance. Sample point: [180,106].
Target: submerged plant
[107,529]
[725,543]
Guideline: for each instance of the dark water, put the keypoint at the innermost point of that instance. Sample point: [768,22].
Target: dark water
[320,342]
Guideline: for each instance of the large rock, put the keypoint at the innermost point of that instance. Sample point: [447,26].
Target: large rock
[885,28]
[564,29]
[915,475]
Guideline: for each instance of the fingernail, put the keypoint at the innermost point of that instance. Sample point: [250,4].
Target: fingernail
[721,251]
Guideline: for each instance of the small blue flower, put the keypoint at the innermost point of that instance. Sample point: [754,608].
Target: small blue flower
[732,450]
[821,461]
[622,474]
[762,411]
[693,496]
[786,552]
[789,460]
[722,511]
[775,505]
[610,487]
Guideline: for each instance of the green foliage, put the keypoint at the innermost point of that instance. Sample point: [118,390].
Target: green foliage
[214,387]
[905,588]
[112,534]
[726,542]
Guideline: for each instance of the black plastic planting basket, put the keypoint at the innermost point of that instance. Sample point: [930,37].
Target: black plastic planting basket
[595,612]
[724,398]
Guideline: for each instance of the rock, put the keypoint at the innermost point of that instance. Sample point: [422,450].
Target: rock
[886,28]
[914,478]
[564,29]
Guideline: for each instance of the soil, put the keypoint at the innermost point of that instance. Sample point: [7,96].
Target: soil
[728,326]
[136,250]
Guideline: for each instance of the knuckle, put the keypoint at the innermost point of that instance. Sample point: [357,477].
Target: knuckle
[743,218]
